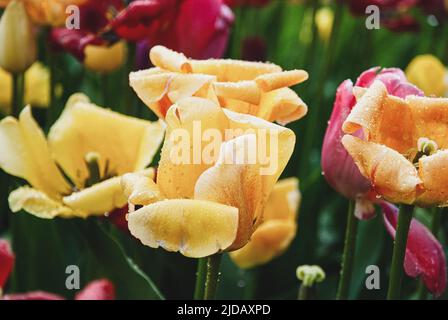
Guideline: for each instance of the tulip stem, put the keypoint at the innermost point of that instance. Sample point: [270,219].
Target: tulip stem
[348,256]
[401,238]
[17,94]
[211,281]
[200,278]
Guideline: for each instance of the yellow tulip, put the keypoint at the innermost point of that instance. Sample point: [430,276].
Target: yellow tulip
[119,144]
[105,59]
[429,74]
[324,22]
[404,154]
[37,88]
[203,207]
[46,12]
[259,89]
[278,229]
[17,41]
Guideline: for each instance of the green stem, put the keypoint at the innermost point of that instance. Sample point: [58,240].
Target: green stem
[17,94]
[348,256]
[251,285]
[401,238]
[200,278]
[130,101]
[436,219]
[304,293]
[104,89]
[211,281]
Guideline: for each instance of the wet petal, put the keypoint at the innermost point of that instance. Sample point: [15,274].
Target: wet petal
[390,174]
[246,91]
[195,228]
[140,188]
[277,80]
[424,254]
[38,204]
[25,154]
[433,171]
[170,60]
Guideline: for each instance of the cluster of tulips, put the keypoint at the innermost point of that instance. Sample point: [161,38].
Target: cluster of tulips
[385,143]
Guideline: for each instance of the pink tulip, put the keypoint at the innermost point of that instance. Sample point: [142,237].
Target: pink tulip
[7,259]
[35,295]
[101,289]
[424,254]
[338,167]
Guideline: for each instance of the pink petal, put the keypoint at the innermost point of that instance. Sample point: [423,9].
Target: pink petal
[101,289]
[7,259]
[424,254]
[35,295]
[338,166]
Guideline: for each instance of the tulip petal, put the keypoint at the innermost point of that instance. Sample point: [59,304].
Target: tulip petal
[428,73]
[235,184]
[424,254]
[98,199]
[246,91]
[284,200]
[7,259]
[433,171]
[101,289]
[118,139]
[233,70]
[140,188]
[195,228]
[38,204]
[170,60]
[25,154]
[269,241]
[277,80]
[390,174]
[34,295]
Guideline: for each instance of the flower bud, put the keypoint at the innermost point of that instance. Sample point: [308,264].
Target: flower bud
[17,42]
[105,59]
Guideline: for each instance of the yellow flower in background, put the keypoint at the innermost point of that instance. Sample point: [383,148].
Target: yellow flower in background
[278,229]
[201,208]
[105,59]
[91,145]
[429,74]
[46,12]
[37,88]
[17,40]
[405,151]
[259,89]
[324,22]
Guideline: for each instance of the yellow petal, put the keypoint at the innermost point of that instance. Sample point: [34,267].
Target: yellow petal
[170,60]
[38,204]
[186,121]
[98,199]
[5,92]
[25,154]
[433,170]
[283,201]
[429,74]
[105,59]
[235,184]
[247,91]
[140,188]
[277,80]
[269,241]
[194,228]
[121,140]
[233,70]
[37,85]
[390,173]
[281,105]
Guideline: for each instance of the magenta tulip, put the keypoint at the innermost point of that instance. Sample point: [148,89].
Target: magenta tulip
[7,259]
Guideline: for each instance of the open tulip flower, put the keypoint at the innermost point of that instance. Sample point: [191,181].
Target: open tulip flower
[259,89]
[200,204]
[76,171]
[47,12]
[277,230]
[403,150]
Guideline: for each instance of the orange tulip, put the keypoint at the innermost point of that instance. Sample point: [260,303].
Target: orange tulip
[404,152]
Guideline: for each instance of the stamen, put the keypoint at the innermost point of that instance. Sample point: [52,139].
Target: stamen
[425,147]
[92,160]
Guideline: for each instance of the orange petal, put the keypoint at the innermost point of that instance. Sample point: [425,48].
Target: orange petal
[433,170]
[169,60]
[247,91]
[391,174]
[277,80]
[140,188]
[284,200]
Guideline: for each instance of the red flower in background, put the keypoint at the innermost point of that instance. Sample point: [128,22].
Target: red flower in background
[338,166]
[7,259]
[237,3]
[101,289]
[424,254]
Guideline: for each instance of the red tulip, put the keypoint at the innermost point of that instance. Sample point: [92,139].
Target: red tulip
[254,49]
[424,254]
[118,218]
[7,259]
[338,167]
[35,295]
[255,3]
[101,289]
